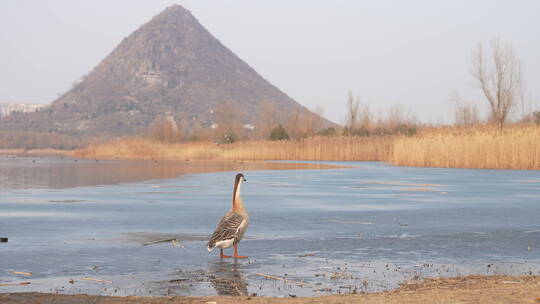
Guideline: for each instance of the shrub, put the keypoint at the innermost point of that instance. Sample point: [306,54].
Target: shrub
[163,130]
[229,138]
[193,138]
[379,131]
[404,129]
[279,133]
[356,131]
[536,118]
[331,131]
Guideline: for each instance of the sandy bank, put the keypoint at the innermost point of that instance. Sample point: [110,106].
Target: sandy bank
[470,289]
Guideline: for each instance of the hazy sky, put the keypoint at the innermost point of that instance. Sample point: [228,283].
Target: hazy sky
[410,52]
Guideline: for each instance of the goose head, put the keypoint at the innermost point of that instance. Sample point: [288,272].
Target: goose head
[237,183]
[240,178]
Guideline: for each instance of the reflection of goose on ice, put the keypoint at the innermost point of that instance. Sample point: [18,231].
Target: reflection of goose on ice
[233,225]
[227,280]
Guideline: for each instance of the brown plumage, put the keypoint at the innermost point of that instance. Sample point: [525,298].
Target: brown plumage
[226,229]
[233,225]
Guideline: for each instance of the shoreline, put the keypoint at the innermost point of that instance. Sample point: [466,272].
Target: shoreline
[464,289]
[514,148]
[34,152]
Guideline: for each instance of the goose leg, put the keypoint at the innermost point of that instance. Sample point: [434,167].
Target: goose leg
[236,256]
[222,256]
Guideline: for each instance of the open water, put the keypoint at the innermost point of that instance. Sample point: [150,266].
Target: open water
[365,227]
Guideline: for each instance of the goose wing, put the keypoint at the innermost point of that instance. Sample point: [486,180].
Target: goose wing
[226,229]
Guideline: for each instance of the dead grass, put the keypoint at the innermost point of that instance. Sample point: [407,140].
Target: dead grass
[515,147]
[478,147]
[143,148]
[317,148]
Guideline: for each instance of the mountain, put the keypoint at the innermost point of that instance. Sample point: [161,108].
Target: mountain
[169,67]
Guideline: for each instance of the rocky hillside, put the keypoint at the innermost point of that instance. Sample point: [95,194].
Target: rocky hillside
[170,66]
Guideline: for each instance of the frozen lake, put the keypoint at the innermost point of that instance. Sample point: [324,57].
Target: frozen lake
[363,228]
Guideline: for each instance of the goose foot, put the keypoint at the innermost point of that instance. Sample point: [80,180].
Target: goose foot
[236,256]
[222,256]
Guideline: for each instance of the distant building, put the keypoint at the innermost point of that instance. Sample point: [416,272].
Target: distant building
[249,127]
[9,108]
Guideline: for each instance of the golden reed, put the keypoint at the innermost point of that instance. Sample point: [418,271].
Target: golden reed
[477,147]
[451,147]
[315,148]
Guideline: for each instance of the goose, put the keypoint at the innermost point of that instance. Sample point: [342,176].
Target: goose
[233,225]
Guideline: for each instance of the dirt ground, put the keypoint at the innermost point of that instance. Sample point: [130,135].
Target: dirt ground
[470,289]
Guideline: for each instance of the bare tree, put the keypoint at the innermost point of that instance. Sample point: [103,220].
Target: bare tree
[304,124]
[267,119]
[309,123]
[499,76]
[228,119]
[165,129]
[364,117]
[294,125]
[465,113]
[400,115]
[526,106]
[353,104]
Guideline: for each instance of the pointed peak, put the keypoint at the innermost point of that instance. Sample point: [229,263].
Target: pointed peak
[169,64]
[174,11]
[173,15]
[176,8]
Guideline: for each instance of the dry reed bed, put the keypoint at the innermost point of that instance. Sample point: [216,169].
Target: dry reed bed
[141,148]
[477,147]
[511,148]
[317,148]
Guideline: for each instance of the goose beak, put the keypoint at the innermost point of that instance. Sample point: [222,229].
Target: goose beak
[245,180]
